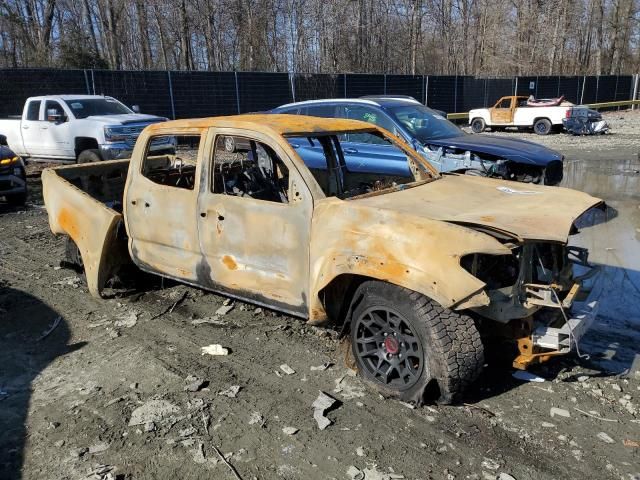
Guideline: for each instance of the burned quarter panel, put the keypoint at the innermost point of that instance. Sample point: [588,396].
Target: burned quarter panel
[417,253]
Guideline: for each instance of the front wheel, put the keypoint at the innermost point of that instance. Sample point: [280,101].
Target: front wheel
[477,125]
[542,126]
[403,342]
[89,156]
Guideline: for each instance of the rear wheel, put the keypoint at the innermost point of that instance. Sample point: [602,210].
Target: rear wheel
[477,125]
[89,156]
[542,126]
[402,342]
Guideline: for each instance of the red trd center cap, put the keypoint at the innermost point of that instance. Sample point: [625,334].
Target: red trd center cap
[391,345]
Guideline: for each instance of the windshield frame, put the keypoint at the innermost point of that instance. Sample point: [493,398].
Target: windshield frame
[421,165]
[69,101]
[391,111]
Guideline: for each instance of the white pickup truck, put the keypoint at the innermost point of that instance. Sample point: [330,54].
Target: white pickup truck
[84,128]
[513,111]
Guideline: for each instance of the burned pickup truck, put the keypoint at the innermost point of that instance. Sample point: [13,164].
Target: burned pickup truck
[413,267]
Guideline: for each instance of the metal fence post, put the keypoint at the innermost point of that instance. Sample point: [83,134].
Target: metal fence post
[455,94]
[515,88]
[385,83]
[93,82]
[237,92]
[426,90]
[173,107]
[293,87]
[634,82]
[344,78]
[597,87]
[584,82]
[86,82]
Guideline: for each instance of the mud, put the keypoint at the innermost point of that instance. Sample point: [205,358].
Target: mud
[67,400]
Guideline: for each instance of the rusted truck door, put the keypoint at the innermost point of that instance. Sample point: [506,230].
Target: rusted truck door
[254,220]
[502,111]
[161,204]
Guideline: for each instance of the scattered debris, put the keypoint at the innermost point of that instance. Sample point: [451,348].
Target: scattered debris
[194,384]
[527,376]
[256,418]
[630,443]
[224,309]
[360,452]
[152,411]
[231,467]
[616,387]
[287,369]
[605,438]
[128,320]
[583,378]
[215,349]
[559,412]
[290,430]
[505,476]
[187,432]
[230,392]
[99,448]
[71,281]
[355,473]
[79,452]
[321,368]
[320,405]
[490,463]
[53,326]
[103,472]
[592,415]
[170,308]
[208,320]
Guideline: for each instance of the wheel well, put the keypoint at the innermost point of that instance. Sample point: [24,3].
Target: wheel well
[476,118]
[337,297]
[85,143]
[542,118]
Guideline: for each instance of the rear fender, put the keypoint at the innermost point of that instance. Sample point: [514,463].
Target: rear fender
[90,224]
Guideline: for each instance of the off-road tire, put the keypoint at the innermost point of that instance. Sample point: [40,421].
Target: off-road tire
[17,199]
[477,125]
[453,354]
[542,126]
[89,156]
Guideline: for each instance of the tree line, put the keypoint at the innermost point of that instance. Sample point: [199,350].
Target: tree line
[464,37]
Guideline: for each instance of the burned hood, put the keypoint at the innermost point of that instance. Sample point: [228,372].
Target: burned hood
[514,149]
[522,211]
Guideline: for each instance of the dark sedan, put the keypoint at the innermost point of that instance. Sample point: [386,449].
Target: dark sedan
[439,141]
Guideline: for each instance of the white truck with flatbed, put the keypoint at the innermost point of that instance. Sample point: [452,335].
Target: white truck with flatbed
[514,111]
[82,128]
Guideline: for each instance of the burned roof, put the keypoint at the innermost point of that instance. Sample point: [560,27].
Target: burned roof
[281,124]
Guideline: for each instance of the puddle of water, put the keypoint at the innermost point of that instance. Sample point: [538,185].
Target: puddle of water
[613,239]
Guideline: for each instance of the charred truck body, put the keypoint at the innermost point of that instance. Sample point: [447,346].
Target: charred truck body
[412,264]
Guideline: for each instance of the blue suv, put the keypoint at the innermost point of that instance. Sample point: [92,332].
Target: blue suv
[439,141]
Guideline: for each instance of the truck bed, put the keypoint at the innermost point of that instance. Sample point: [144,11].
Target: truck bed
[85,202]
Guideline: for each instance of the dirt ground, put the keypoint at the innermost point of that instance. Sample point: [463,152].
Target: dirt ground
[107,393]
